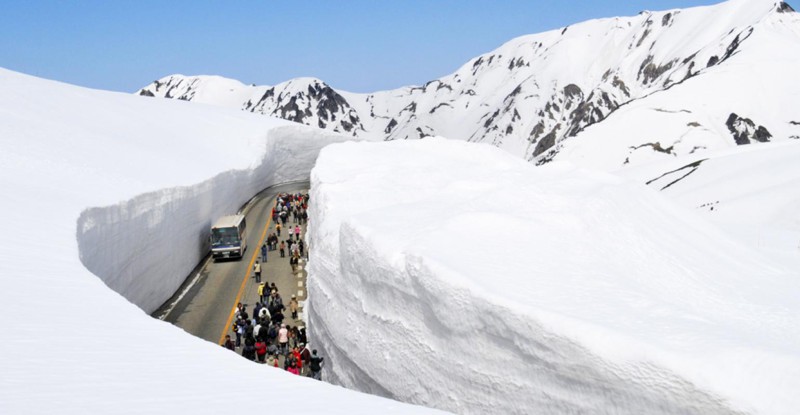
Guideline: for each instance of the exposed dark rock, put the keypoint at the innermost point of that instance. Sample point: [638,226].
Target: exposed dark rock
[656,147]
[649,71]
[443,104]
[509,129]
[693,166]
[744,130]
[573,91]
[666,19]
[490,120]
[783,7]
[762,134]
[618,83]
[565,30]
[641,39]
[693,124]
[712,61]
[537,131]
[320,123]
[146,93]
[794,122]
[516,63]
[390,126]
[546,142]
[412,107]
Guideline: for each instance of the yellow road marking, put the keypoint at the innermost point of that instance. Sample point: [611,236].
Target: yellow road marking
[256,254]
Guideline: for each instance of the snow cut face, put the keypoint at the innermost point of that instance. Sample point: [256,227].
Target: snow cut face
[456,276]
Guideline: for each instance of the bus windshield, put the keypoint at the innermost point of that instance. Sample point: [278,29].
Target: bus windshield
[225,237]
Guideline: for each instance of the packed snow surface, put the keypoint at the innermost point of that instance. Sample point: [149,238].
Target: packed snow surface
[457,276]
[126,186]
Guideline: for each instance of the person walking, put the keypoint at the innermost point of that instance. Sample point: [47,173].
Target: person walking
[261,296]
[293,304]
[315,366]
[228,343]
[291,232]
[249,349]
[278,228]
[257,270]
[283,339]
[264,252]
[297,231]
[283,249]
[293,368]
[261,350]
[305,357]
[238,328]
[272,360]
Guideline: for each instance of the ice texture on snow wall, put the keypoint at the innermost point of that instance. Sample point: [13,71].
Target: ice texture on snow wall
[454,276]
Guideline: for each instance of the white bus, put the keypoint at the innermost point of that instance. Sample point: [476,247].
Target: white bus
[228,238]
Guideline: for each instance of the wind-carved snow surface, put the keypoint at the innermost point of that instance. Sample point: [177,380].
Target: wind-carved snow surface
[457,276]
[606,92]
[125,186]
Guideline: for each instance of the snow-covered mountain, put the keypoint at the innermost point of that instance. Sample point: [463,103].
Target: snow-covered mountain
[688,80]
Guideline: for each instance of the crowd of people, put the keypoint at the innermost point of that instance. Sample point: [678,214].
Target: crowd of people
[264,337]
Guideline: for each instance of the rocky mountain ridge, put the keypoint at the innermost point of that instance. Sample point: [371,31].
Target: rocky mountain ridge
[537,93]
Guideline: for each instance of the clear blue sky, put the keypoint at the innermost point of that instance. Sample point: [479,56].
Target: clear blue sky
[355,45]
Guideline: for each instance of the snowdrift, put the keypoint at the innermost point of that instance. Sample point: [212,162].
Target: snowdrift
[124,186]
[457,276]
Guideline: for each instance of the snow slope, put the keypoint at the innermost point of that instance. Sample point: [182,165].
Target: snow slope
[606,92]
[753,193]
[125,186]
[488,285]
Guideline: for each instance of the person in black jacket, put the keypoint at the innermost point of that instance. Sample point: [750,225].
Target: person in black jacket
[249,349]
[316,366]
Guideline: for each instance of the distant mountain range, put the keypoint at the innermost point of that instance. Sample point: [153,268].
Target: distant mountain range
[606,93]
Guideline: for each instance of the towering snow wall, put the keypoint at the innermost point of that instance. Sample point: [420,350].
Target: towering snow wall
[137,177]
[144,247]
[456,276]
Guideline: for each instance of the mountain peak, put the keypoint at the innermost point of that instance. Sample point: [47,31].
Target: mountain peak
[535,94]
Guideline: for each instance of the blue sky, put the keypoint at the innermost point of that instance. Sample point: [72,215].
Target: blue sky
[356,45]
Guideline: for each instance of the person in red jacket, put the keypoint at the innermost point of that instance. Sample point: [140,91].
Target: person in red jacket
[298,359]
[261,350]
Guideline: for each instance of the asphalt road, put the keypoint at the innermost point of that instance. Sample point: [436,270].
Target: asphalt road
[203,304]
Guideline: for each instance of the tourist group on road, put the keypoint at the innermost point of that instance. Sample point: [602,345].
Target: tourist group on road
[263,336]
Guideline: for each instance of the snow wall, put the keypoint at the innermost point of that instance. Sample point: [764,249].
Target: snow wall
[145,247]
[458,277]
[111,162]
